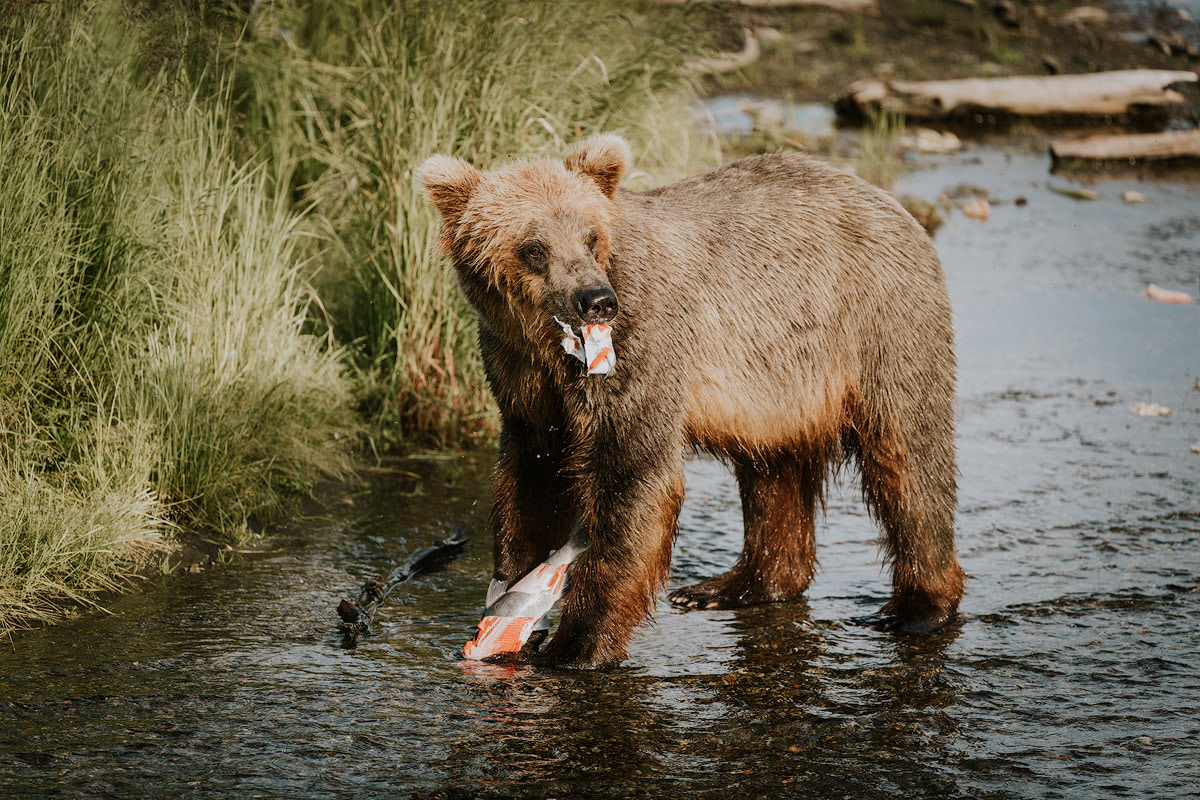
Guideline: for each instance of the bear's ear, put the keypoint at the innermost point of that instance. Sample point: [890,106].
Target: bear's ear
[448,183]
[605,159]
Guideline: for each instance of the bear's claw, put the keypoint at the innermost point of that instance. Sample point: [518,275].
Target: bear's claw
[683,598]
[912,626]
[717,593]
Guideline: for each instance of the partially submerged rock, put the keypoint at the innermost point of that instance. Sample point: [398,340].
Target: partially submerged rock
[978,209]
[1149,410]
[926,140]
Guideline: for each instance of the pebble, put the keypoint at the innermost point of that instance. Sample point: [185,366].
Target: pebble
[925,140]
[1149,410]
[1131,196]
[977,209]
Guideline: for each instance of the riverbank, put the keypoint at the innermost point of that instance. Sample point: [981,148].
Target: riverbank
[811,54]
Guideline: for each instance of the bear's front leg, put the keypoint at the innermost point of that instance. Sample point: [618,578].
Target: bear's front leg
[629,498]
[531,507]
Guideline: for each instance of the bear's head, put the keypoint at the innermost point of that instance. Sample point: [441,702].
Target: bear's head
[538,233]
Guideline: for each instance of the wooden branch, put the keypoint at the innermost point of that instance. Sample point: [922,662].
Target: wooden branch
[1090,94]
[1134,147]
[858,6]
[728,62]
[1083,15]
[356,617]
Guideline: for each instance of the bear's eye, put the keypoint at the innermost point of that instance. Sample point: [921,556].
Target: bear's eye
[592,240]
[533,253]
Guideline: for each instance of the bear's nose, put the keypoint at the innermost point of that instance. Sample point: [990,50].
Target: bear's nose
[598,304]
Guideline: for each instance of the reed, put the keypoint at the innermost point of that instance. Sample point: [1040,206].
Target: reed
[156,362]
[213,251]
[880,160]
[376,87]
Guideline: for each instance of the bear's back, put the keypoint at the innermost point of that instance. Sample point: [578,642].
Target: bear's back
[783,224]
[773,278]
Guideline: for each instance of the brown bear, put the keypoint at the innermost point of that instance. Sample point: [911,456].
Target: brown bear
[775,312]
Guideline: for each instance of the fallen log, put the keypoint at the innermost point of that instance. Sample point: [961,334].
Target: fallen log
[356,617]
[727,62]
[1131,147]
[1084,15]
[1086,95]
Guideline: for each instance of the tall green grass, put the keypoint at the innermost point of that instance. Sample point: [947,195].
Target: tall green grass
[171,192]
[155,359]
[358,93]
[880,160]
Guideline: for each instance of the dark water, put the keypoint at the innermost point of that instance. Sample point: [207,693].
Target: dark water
[1073,672]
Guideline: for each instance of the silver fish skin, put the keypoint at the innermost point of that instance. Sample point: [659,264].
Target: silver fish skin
[526,597]
[506,626]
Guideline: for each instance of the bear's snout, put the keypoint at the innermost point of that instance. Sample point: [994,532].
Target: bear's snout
[596,304]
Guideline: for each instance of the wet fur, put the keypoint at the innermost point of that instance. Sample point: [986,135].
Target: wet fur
[775,312]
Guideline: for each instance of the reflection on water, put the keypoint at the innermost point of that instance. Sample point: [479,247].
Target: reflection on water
[1071,673]
[791,705]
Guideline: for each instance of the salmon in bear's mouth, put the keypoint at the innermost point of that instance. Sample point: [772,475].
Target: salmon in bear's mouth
[593,346]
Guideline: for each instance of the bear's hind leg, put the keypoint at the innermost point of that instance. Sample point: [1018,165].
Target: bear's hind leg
[779,556]
[912,492]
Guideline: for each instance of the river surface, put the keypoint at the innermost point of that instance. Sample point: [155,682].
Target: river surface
[1073,671]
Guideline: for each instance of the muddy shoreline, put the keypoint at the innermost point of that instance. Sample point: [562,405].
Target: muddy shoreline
[809,55]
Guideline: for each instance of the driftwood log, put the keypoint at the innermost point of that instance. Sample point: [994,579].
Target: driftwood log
[1087,95]
[1132,147]
[727,62]
[858,6]
[356,617]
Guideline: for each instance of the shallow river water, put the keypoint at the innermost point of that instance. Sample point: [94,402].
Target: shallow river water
[1073,671]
